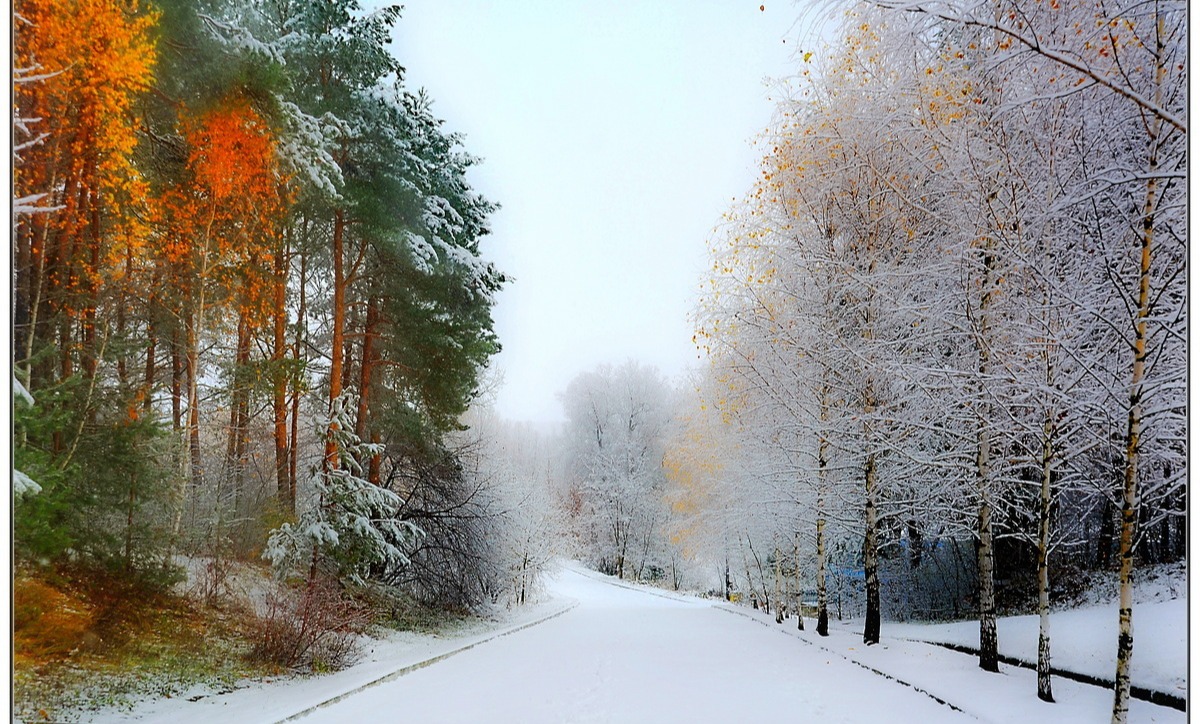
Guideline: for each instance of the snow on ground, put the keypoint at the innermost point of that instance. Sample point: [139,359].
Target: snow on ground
[1009,696]
[274,700]
[620,653]
[1085,641]
[632,656]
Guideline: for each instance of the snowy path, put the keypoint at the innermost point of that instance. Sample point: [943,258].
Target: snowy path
[632,656]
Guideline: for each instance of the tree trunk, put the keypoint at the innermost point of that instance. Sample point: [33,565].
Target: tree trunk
[762,578]
[236,423]
[31,262]
[989,659]
[151,360]
[369,357]
[63,277]
[301,355]
[1104,536]
[39,233]
[176,382]
[337,350]
[1129,498]
[364,373]
[645,554]
[822,483]
[122,313]
[195,330]
[374,469]
[749,578]
[985,561]
[778,608]
[797,600]
[66,347]
[1043,569]
[352,323]
[193,424]
[916,545]
[727,583]
[90,351]
[283,485]
[871,555]
[241,440]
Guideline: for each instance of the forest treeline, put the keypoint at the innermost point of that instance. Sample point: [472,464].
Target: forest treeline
[953,307]
[249,307]
[945,333]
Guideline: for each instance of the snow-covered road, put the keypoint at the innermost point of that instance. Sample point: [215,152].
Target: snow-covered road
[603,651]
[628,655]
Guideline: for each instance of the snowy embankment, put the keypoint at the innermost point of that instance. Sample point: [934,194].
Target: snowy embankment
[1083,640]
[955,680]
[288,697]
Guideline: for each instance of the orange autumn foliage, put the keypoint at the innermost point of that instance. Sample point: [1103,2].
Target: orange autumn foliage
[48,623]
[93,59]
[224,222]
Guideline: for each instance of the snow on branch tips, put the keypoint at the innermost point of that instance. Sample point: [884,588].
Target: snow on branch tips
[353,526]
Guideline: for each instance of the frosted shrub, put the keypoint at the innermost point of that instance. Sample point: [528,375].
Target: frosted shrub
[314,629]
[354,528]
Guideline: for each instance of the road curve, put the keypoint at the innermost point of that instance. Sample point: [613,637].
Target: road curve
[625,655]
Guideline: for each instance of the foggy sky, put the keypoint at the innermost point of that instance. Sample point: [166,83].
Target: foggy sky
[614,135]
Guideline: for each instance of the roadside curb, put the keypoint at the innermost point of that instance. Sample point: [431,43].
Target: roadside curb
[1154,696]
[422,664]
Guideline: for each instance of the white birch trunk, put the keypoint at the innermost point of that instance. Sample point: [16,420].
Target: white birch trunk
[1129,502]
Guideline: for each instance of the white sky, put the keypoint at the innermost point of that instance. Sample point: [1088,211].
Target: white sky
[614,135]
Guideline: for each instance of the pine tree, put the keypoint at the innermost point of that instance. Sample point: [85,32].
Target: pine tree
[353,530]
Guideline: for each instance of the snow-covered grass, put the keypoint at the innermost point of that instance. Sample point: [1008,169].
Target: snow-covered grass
[192,655]
[956,679]
[1084,640]
[102,640]
[235,582]
[277,698]
[1151,584]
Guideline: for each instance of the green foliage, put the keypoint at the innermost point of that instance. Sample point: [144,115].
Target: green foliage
[40,530]
[105,476]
